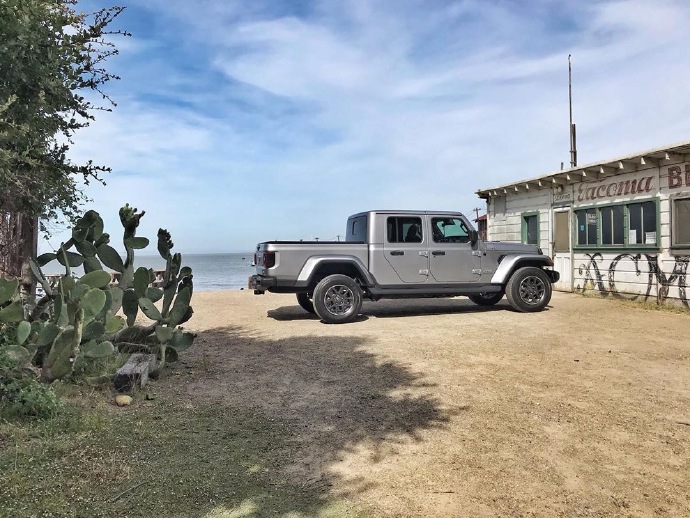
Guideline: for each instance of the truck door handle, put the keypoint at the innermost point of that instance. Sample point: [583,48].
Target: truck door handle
[438,252]
[397,252]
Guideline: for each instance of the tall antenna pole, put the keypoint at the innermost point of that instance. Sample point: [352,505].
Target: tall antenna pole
[573,137]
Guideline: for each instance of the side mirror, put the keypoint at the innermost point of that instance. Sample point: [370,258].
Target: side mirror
[474,237]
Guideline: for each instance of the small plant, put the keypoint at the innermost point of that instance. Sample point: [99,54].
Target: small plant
[22,395]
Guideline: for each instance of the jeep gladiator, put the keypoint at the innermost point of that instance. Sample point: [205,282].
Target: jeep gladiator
[403,254]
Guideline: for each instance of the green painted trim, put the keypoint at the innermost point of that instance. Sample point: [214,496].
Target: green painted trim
[626,227]
[673,223]
[621,248]
[523,226]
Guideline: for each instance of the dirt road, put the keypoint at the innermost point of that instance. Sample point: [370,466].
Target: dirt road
[438,407]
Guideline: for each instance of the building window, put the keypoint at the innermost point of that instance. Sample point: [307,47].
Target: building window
[530,228]
[586,227]
[499,205]
[632,224]
[561,236]
[681,223]
[612,225]
[642,223]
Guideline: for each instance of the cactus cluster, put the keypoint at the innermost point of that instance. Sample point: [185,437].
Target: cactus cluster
[80,316]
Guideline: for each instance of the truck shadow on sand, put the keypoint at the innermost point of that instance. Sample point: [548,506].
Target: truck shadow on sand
[399,308]
[294,408]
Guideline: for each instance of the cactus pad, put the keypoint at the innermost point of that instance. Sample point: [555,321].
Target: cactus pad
[149,309]
[94,349]
[8,289]
[23,331]
[109,257]
[96,279]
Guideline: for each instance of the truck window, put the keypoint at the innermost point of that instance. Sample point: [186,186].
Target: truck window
[356,229]
[449,230]
[404,229]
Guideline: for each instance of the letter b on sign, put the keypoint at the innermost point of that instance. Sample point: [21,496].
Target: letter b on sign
[675,177]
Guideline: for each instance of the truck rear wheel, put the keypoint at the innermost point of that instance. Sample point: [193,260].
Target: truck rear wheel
[337,299]
[529,289]
[304,300]
[486,299]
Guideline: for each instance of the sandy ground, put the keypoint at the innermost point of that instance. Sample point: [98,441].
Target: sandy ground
[437,407]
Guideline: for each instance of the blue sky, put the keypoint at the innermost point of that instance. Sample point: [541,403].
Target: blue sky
[239,122]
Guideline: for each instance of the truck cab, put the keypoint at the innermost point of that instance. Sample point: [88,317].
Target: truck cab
[415,248]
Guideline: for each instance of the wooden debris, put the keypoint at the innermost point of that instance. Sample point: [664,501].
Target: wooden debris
[134,373]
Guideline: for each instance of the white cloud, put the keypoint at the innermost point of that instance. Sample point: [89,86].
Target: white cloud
[240,123]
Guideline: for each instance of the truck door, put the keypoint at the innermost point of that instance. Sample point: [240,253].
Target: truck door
[406,250]
[451,257]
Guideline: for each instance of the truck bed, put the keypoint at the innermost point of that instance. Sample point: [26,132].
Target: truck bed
[294,259]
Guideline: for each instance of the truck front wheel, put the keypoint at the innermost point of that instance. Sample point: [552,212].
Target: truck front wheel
[529,289]
[337,299]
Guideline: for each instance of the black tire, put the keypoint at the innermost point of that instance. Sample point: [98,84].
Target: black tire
[337,299]
[529,289]
[486,299]
[304,300]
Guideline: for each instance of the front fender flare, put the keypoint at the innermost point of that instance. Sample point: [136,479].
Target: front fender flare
[511,262]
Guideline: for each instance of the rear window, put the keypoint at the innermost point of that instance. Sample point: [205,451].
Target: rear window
[356,229]
[404,229]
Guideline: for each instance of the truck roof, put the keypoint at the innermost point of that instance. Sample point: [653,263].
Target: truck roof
[391,211]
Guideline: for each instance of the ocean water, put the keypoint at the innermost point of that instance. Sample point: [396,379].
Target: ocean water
[212,272]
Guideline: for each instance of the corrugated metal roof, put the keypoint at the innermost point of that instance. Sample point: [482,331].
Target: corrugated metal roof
[596,172]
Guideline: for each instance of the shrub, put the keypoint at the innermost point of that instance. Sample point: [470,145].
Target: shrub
[22,395]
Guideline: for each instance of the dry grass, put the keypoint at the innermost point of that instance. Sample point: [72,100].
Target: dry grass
[156,458]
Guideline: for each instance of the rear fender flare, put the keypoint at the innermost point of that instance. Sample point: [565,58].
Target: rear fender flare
[314,263]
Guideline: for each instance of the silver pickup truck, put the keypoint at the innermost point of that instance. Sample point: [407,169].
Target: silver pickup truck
[403,254]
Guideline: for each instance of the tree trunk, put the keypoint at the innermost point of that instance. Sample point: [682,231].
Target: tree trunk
[18,243]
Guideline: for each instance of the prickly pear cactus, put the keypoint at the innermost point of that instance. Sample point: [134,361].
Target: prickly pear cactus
[80,316]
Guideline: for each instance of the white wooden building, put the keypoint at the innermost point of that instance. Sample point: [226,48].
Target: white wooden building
[619,227]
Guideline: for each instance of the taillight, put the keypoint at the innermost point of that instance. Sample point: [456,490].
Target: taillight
[268,259]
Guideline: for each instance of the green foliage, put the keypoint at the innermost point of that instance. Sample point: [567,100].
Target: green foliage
[12,313]
[77,317]
[8,332]
[7,289]
[22,395]
[51,56]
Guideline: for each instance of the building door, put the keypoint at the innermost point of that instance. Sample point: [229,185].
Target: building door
[562,255]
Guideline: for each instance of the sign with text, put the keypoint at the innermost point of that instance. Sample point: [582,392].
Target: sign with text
[614,187]
[562,198]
